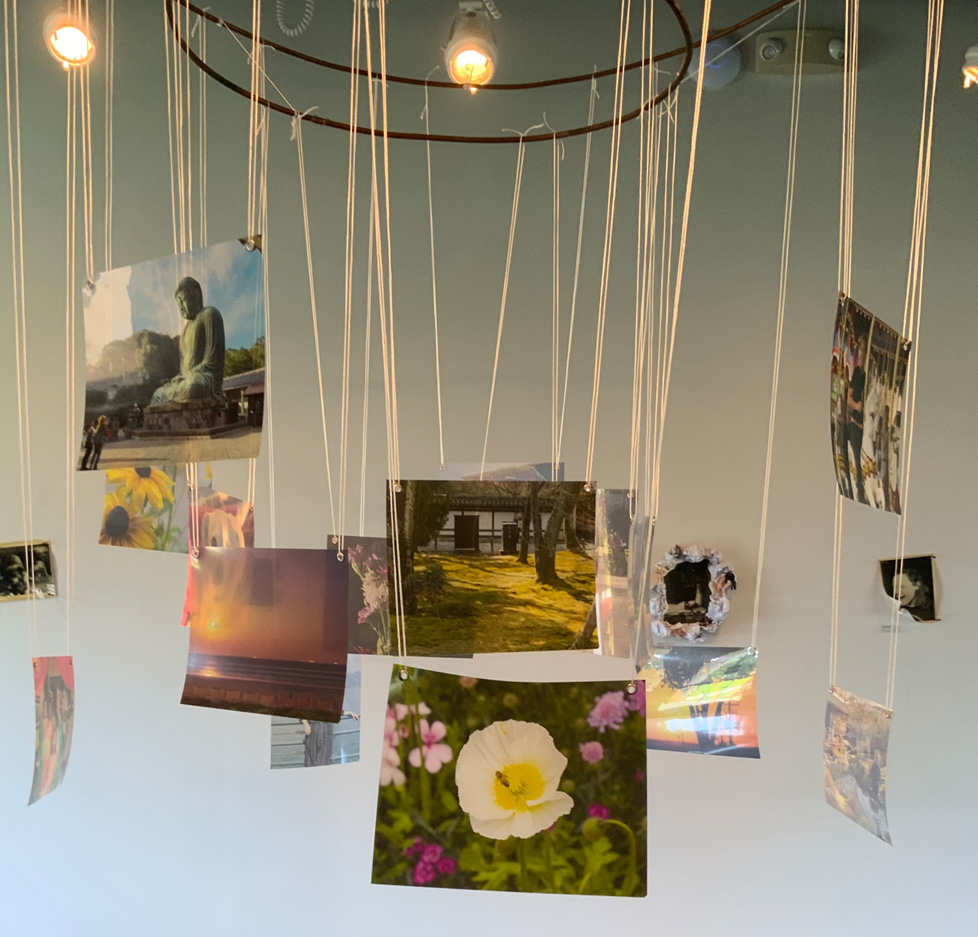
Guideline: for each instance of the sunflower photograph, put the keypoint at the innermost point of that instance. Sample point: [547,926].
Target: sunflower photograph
[146,508]
[503,786]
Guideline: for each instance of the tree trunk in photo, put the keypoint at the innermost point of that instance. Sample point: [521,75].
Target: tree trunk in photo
[546,549]
[406,504]
[583,640]
[570,533]
[529,508]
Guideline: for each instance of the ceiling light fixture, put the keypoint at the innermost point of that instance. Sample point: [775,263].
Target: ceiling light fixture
[970,69]
[68,39]
[471,54]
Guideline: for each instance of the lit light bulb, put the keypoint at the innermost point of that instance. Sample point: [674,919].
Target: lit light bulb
[970,69]
[470,53]
[68,41]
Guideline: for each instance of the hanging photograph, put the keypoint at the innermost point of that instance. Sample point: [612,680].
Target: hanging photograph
[503,786]
[305,743]
[615,556]
[54,706]
[175,360]
[268,632]
[869,369]
[857,732]
[150,508]
[913,586]
[369,612]
[494,566]
[702,700]
[688,593]
[26,571]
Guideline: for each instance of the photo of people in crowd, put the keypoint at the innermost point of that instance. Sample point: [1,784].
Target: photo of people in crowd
[869,369]
[54,703]
[911,583]
[26,571]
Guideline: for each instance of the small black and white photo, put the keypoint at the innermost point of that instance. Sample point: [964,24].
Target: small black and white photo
[912,586]
[26,571]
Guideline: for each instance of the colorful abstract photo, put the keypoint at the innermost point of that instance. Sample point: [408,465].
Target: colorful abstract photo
[54,704]
[505,786]
[702,699]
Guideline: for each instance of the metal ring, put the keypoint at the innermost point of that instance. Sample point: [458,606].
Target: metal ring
[673,5]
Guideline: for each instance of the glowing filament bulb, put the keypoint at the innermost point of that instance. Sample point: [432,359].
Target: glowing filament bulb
[69,44]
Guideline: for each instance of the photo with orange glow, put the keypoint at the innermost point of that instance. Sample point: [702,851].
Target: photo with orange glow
[268,632]
[702,700]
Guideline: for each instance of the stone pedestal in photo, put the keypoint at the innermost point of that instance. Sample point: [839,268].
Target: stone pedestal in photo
[205,417]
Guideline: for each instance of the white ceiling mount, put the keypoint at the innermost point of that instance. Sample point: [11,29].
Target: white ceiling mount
[823,52]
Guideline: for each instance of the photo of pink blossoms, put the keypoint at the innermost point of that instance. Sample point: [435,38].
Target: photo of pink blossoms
[370,621]
[504,786]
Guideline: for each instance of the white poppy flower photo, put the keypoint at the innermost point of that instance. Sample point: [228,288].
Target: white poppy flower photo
[512,786]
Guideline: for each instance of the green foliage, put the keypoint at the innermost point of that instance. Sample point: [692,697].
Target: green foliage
[579,854]
[239,360]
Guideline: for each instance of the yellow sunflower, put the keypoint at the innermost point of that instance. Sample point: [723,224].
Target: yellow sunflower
[121,527]
[141,485]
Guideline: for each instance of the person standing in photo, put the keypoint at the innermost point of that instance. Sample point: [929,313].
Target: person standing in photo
[98,440]
[854,403]
[89,443]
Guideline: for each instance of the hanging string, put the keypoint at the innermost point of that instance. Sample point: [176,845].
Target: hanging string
[782,298]
[181,213]
[434,287]
[185,65]
[351,190]
[10,39]
[200,26]
[670,344]
[71,457]
[366,369]
[623,25]
[169,127]
[846,205]
[253,123]
[390,400]
[558,155]
[109,139]
[577,268]
[913,304]
[297,135]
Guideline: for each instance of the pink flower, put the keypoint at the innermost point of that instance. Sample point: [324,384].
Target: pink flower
[415,848]
[446,865]
[640,776]
[431,853]
[401,710]
[423,873]
[390,759]
[598,811]
[609,711]
[636,702]
[591,752]
[436,752]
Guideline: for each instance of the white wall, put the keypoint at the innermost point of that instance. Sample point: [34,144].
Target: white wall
[170,821]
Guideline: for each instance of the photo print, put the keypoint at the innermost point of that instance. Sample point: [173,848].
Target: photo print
[26,571]
[150,508]
[869,369]
[616,572]
[857,732]
[305,743]
[912,586]
[504,786]
[495,566]
[369,611]
[268,632]
[702,700]
[54,705]
[175,360]
[688,593]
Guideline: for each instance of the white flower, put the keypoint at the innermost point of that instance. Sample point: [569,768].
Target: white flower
[507,776]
